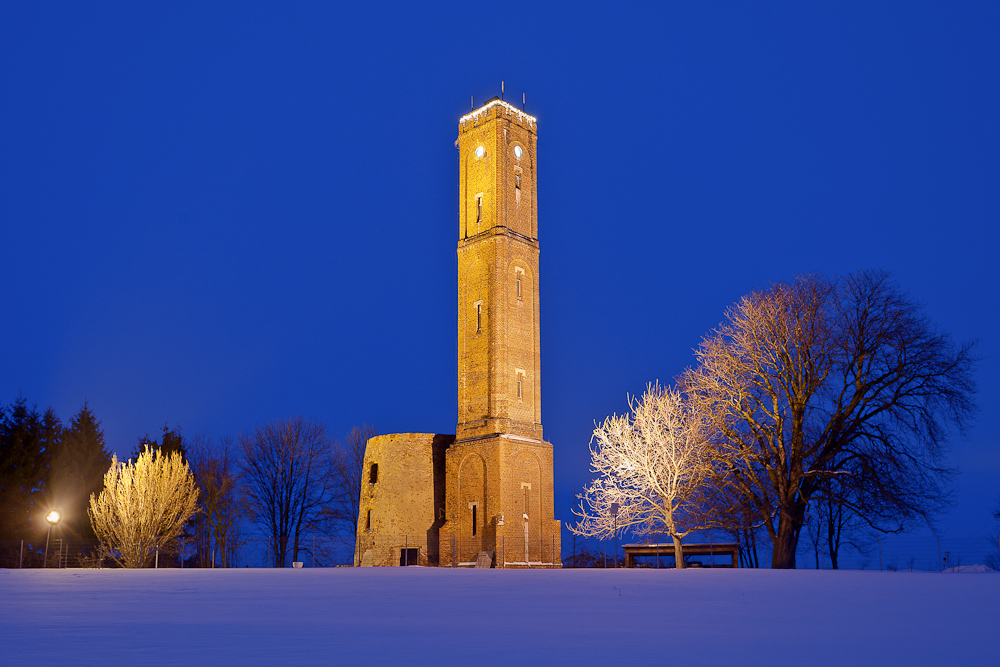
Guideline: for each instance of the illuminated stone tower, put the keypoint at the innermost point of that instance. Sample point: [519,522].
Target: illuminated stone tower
[499,470]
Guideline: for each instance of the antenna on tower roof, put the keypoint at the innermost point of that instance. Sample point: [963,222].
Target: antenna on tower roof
[501,90]
[472,102]
[522,101]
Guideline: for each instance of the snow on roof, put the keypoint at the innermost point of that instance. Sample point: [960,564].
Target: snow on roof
[474,116]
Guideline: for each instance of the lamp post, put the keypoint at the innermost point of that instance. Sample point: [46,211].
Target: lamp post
[53,518]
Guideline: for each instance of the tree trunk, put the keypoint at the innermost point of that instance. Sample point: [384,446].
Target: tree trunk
[787,540]
[678,552]
[833,534]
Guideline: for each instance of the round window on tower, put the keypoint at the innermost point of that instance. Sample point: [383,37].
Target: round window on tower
[480,151]
[518,152]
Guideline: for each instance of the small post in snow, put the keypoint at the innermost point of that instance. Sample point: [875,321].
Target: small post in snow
[614,510]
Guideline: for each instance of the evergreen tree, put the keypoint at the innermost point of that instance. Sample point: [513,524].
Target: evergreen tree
[27,439]
[77,471]
[171,441]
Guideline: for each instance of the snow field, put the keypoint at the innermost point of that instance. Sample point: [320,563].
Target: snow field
[427,616]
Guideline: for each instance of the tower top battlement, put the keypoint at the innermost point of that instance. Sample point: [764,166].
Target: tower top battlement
[485,112]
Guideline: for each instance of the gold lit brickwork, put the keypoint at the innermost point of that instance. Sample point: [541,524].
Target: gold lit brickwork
[444,499]
[498,355]
[499,431]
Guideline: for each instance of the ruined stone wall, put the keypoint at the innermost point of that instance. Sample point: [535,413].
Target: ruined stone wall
[403,507]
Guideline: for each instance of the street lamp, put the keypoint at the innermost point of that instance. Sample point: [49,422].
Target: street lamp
[53,518]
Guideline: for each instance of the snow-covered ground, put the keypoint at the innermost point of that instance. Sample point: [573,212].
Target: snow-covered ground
[418,616]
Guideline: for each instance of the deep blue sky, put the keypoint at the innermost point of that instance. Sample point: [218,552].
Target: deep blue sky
[217,216]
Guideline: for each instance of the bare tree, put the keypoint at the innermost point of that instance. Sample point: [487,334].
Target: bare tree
[822,378]
[217,533]
[993,559]
[286,473]
[348,458]
[728,510]
[652,465]
[143,506]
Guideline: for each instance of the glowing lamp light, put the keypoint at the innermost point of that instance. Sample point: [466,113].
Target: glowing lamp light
[517,152]
[53,517]
[480,151]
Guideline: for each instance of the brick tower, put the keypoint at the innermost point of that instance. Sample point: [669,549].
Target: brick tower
[499,470]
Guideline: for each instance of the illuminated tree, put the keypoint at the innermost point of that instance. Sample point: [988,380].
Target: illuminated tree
[144,505]
[832,389]
[653,464]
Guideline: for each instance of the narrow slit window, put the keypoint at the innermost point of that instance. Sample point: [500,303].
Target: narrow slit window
[520,385]
[473,520]
[373,474]
[517,181]
[368,522]
[479,317]
[479,209]
[519,286]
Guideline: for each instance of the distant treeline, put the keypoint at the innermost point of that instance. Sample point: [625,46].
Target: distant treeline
[287,482]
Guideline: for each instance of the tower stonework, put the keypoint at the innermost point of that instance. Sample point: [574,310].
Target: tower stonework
[442,499]
[499,470]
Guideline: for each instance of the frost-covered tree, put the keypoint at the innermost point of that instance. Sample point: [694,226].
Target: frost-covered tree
[144,505]
[652,464]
